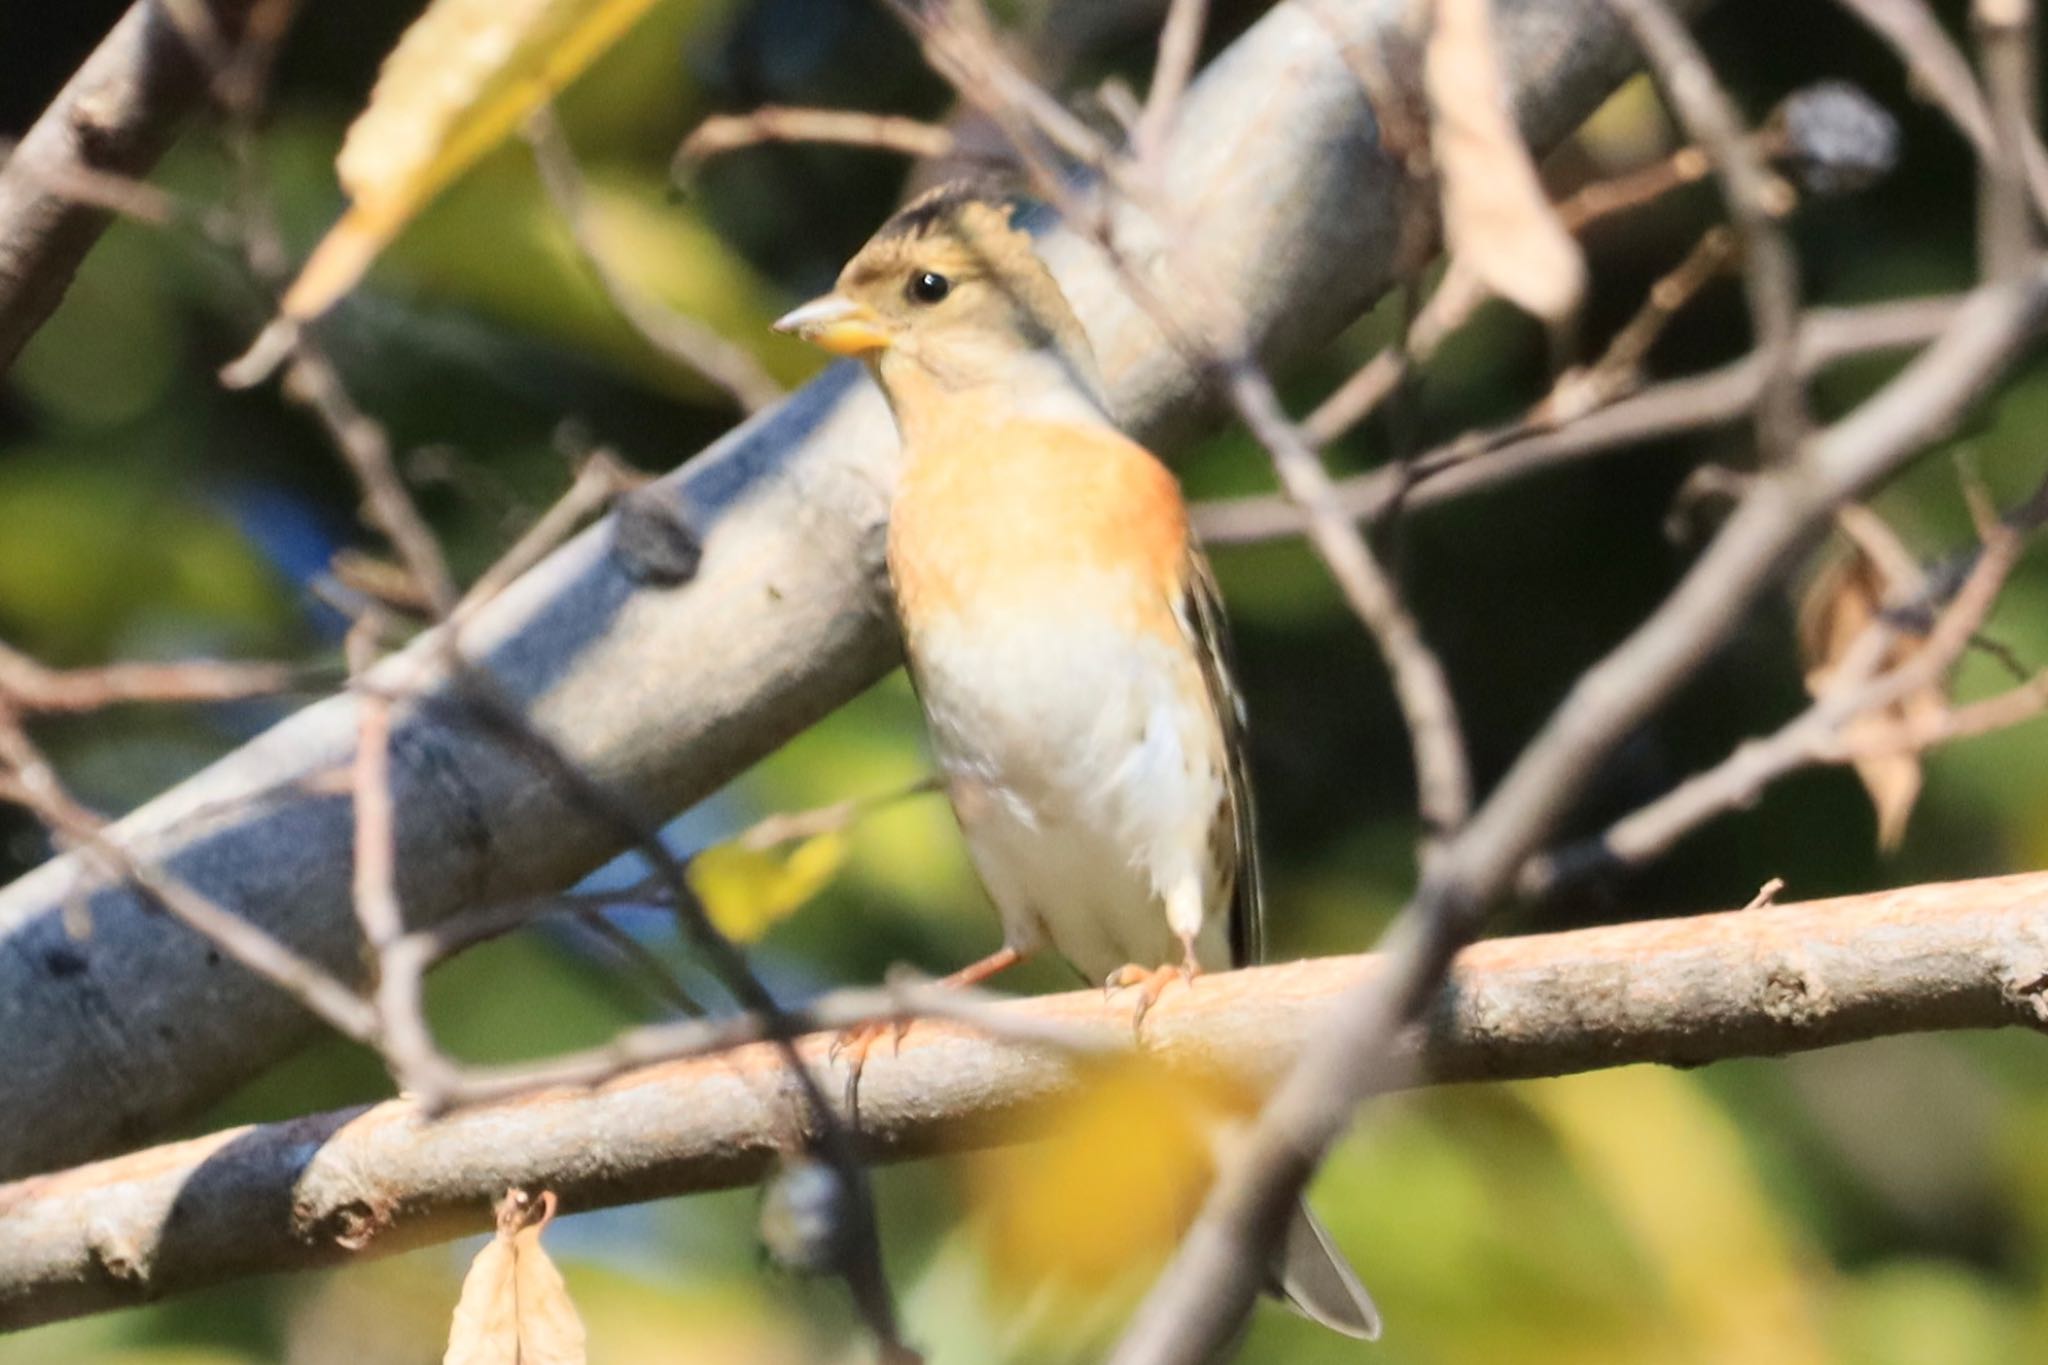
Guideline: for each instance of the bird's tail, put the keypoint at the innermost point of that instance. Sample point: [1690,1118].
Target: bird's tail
[1316,1281]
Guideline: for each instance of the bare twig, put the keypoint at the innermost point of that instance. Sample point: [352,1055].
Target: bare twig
[788,827]
[483,704]
[34,783]
[1477,461]
[654,974]
[1817,735]
[403,1037]
[600,477]
[1457,297]
[1942,74]
[1443,777]
[1460,293]
[724,133]
[1620,367]
[2006,227]
[1756,199]
[1180,42]
[1634,189]
[678,336]
[124,197]
[312,379]
[30,687]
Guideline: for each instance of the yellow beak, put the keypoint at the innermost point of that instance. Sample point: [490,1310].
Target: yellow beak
[836,324]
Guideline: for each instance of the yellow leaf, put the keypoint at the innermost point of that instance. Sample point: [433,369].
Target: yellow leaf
[514,1308]
[1093,1209]
[748,891]
[1737,1280]
[461,80]
[1497,219]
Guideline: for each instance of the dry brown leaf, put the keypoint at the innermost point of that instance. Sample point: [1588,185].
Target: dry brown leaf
[1845,599]
[514,1309]
[1497,219]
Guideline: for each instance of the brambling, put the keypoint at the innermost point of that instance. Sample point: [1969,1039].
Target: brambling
[1063,633]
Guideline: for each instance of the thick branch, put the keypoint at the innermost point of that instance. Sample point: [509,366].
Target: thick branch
[365,1182]
[665,691]
[116,116]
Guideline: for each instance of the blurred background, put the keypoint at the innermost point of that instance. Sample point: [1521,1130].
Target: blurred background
[1877,1204]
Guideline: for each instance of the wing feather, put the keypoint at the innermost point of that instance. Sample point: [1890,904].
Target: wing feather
[1236,838]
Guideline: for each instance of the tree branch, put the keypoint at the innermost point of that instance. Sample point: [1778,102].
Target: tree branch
[370,1181]
[116,116]
[726,608]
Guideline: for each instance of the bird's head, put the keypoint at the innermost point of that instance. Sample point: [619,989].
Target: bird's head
[950,292]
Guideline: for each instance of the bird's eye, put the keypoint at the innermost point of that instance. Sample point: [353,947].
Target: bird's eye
[927,287]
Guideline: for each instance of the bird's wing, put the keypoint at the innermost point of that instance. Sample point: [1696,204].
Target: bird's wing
[1236,839]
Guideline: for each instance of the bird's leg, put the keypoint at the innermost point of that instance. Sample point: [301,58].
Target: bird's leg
[853,1044]
[1151,982]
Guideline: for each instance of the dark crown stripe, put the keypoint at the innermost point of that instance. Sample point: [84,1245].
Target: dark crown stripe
[941,206]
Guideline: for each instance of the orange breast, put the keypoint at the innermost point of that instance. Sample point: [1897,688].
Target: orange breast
[1034,515]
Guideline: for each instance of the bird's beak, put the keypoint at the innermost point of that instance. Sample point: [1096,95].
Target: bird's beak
[837,324]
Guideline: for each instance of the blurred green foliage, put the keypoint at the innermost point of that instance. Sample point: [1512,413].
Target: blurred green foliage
[1882,1205]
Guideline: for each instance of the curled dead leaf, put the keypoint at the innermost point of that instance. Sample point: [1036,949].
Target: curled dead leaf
[1497,219]
[514,1308]
[1875,573]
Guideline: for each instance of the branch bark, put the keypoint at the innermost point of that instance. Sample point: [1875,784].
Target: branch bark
[116,116]
[663,691]
[366,1182]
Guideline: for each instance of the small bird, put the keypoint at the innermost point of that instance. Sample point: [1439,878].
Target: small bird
[1063,633]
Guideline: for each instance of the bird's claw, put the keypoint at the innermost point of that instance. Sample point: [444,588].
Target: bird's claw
[1150,983]
[852,1045]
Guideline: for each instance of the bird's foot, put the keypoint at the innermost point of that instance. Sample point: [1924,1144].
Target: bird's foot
[852,1047]
[854,1044]
[1150,983]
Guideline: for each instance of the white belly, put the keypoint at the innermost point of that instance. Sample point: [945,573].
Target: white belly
[1086,784]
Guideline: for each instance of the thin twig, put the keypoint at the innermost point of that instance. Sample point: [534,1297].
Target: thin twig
[481,703]
[32,688]
[312,379]
[1180,43]
[404,1038]
[1483,460]
[676,335]
[786,827]
[723,133]
[600,477]
[654,974]
[1756,199]
[1819,734]
[1461,293]
[36,785]
[2006,228]
[1942,74]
